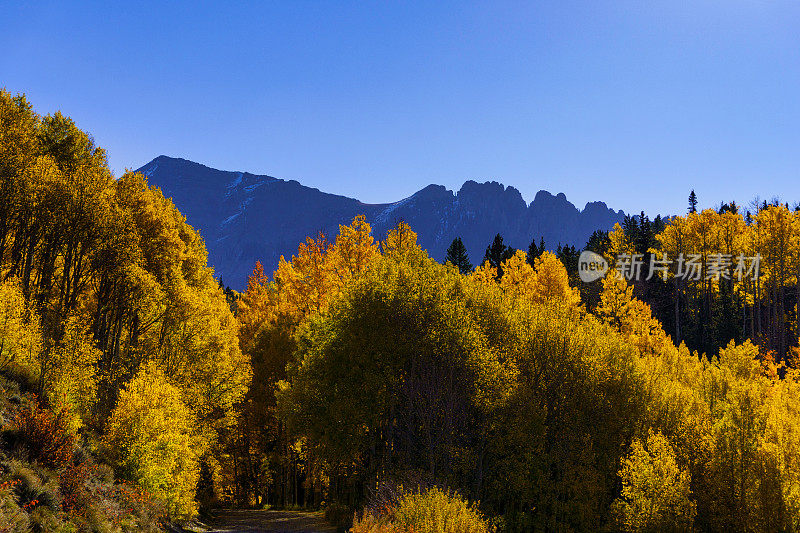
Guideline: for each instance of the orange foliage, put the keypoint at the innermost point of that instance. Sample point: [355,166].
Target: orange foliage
[45,435]
[308,282]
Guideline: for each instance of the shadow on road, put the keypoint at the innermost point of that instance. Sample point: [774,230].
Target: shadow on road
[255,521]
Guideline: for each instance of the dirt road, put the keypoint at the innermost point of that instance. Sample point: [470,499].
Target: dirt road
[249,521]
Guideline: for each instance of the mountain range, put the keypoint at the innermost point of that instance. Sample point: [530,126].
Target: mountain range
[246,217]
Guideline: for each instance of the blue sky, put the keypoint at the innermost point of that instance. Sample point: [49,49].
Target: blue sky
[633,103]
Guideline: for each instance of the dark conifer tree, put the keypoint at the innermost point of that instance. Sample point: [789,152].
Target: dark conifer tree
[645,238]
[457,254]
[631,227]
[692,202]
[535,250]
[658,225]
[497,253]
[598,242]
[568,255]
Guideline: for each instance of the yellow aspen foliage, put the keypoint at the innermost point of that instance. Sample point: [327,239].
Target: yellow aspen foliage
[674,240]
[778,245]
[656,493]
[306,283]
[518,275]
[614,300]
[201,351]
[157,299]
[630,316]
[550,283]
[618,244]
[485,274]
[673,378]
[72,377]
[751,474]
[20,335]
[730,233]
[254,306]
[64,372]
[400,240]
[546,282]
[430,511]
[780,445]
[355,249]
[152,439]
[740,477]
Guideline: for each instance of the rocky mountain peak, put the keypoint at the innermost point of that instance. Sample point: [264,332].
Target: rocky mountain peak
[246,217]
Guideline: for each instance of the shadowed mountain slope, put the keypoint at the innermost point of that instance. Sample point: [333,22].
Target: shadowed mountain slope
[246,218]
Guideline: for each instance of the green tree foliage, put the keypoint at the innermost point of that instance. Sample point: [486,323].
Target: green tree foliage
[598,242]
[568,255]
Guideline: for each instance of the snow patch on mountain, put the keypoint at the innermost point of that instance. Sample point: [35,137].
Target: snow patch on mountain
[149,171]
[254,186]
[384,215]
[233,184]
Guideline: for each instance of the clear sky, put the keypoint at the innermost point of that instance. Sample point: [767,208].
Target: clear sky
[633,103]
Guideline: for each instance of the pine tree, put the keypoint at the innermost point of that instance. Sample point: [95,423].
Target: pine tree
[598,242]
[535,250]
[692,202]
[645,239]
[457,255]
[631,226]
[658,225]
[497,253]
[568,255]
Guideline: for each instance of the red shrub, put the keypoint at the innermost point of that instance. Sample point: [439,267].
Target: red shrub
[72,482]
[45,435]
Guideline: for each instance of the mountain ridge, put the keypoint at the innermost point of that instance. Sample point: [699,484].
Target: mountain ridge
[247,217]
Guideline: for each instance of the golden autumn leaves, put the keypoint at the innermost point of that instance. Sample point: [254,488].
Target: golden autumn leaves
[316,275]
[370,360]
[544,282]
[102,281]
[511,391]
